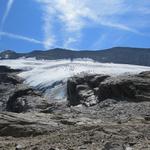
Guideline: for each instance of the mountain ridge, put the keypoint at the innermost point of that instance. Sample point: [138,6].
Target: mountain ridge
[123,55]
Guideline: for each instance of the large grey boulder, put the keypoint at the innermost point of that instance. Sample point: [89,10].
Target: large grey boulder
[128,87]
[82,89]
[92,89]
[25,125]
[25,99]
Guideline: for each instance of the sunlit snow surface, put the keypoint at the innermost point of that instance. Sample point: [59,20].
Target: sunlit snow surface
[51,75]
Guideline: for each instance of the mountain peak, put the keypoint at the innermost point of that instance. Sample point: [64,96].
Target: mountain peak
[7,51]
[8,54]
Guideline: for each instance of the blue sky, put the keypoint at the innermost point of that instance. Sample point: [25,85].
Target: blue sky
[27,25]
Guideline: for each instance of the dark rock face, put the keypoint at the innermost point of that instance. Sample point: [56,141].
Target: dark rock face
[130,88]
[19,101]
[16,96]
[10,79]
[7,75]
[89,90]
[82,89]
[5,69]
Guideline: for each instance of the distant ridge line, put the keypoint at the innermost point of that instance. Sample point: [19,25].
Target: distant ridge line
[123,55]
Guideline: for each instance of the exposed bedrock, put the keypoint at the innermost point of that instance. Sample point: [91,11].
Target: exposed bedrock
[25,99]
[5,69]
[82,89]
[16,96]
[25,124]
[92,89]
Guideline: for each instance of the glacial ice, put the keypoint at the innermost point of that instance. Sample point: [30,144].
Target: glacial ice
[51,75]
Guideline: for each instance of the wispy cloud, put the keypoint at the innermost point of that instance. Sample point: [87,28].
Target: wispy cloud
[20,37]
[75,15]
[49,38]
[8,8]
[48,42]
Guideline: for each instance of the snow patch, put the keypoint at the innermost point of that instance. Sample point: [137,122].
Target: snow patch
[51,75]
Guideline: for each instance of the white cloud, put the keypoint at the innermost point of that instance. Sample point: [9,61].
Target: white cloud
[49,39]
[71,13]
[48,42]
[20,37]
[8,8]
[75,15]
[69,41]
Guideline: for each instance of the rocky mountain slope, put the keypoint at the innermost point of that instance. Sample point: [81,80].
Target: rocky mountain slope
[102,113]
[122,55]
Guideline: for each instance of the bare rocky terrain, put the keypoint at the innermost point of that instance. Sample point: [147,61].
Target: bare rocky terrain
[101,113]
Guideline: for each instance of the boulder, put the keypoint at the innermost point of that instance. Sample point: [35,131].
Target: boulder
[24,125]
[82,89]
[92,89]
[25,99]
[128,87]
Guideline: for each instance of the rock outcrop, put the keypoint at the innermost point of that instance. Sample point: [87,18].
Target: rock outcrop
[130,88]
[25,125]
[25,99]
[82,89]
[92,89]
[5,69]
[16,96]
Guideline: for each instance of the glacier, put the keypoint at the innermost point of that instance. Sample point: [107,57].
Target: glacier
[50,76]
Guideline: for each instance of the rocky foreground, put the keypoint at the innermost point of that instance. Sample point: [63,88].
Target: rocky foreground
[102,113]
